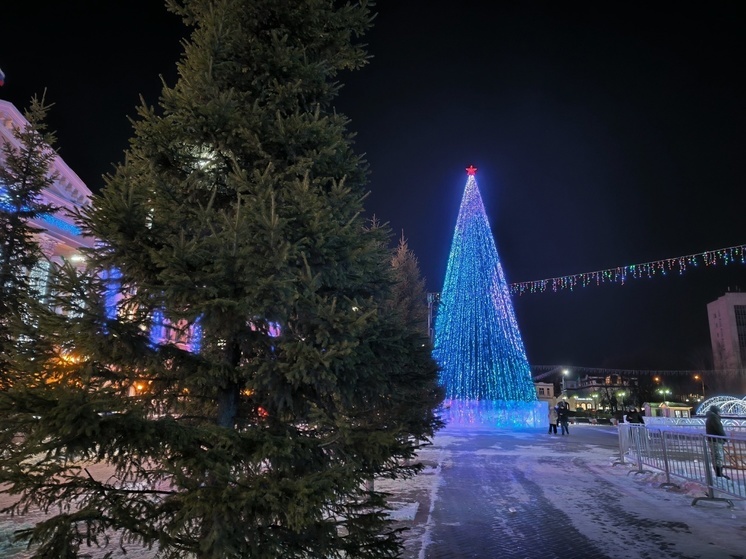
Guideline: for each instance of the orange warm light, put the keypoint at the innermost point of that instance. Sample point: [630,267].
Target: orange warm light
[141,386]
[68,358]
[61,367]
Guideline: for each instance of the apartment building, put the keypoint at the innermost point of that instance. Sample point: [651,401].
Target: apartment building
[727,318]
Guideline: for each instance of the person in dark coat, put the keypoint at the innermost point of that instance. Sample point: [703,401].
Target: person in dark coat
[714,426]
[563,414]
[634,416]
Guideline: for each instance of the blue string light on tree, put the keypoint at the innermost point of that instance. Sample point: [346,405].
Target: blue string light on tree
[484,369]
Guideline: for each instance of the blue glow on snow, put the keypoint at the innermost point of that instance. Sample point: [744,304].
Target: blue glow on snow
[490,414]
[484,369]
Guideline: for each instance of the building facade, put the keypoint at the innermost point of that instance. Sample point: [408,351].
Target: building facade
[545,392]
[60,238]
[727,318]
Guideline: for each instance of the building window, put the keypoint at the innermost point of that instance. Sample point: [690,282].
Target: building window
[39,279]
[740,311]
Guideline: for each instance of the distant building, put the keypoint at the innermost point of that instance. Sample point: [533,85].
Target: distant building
[727,317]
[599,391]
[545,392]
[60,238]
[667,409]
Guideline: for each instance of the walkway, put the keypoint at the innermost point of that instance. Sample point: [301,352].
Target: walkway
[525,494]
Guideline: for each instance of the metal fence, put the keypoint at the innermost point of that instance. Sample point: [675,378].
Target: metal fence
[687,453]
[696,422]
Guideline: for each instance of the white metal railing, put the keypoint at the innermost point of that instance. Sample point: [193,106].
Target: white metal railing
[688,454]
[729,423]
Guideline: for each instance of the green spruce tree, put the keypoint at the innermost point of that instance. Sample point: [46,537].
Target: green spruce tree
[24,174]
[408,302]
[254,374]
[409,294]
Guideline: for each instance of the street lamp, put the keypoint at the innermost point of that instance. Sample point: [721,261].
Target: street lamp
[621,396]
[565,372]
[664,392]
[701,378]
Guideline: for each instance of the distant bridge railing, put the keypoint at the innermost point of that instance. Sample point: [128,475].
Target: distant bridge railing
[683,451]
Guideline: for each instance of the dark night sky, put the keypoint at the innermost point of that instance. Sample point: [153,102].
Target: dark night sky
[605,135]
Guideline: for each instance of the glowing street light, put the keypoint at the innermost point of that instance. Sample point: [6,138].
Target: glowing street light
[664,392]
[701,378]
[565,372]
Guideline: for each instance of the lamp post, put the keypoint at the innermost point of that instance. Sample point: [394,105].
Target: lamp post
[565,372]
[664,392]
[702,379]
[621,397]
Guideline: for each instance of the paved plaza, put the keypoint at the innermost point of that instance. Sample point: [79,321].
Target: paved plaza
[525,494]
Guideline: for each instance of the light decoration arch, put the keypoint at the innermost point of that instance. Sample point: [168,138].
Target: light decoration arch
[729,405]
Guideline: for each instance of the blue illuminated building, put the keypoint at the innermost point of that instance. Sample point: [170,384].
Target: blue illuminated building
[57,235]
[484,369]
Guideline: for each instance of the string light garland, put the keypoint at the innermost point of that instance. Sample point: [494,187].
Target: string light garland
[621,274]
[477,341]
[6,206]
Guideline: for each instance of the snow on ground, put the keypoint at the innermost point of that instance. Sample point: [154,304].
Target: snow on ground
[571,474]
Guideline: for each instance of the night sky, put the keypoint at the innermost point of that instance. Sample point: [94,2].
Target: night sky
[605,135]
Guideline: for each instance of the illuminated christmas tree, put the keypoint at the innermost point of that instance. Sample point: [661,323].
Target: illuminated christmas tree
[477,341]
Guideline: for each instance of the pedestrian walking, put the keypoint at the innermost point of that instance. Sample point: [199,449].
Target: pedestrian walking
[563,414]
[553,418]
[714,426]
[634,416]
